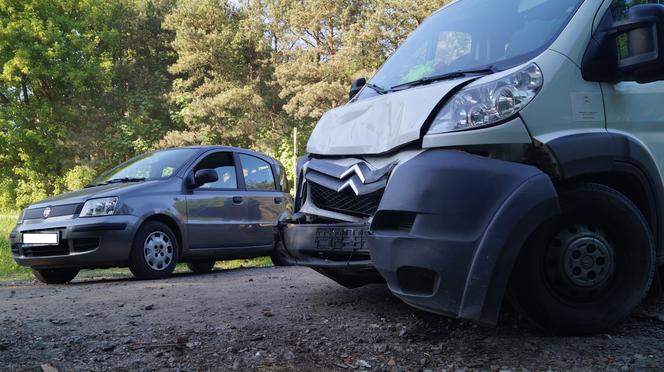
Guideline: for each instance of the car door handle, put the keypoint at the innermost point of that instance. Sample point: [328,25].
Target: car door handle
[238,199]
[278,200]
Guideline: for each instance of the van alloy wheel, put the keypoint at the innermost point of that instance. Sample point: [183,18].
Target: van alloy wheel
[158,250]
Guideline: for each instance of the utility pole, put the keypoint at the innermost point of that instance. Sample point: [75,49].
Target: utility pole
[295,154]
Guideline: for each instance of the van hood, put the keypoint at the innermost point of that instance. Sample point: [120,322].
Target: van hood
[83,195]
[378,124]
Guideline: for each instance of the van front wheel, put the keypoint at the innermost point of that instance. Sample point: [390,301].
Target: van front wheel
[590,268]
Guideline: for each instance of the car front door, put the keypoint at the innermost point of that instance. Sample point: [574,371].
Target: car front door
[217,212]
[264,201]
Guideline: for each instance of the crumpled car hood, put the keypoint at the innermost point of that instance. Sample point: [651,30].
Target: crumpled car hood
[378,124]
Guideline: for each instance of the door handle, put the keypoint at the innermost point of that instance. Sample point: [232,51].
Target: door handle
[238,199]
[278,200]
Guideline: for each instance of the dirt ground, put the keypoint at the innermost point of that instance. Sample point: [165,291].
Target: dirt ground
[284,319]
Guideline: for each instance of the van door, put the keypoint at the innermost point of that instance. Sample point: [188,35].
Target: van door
[216,212]
[632,107]
[264,201]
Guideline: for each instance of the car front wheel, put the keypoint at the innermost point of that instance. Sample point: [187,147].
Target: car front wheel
[590,268]
[154,253]
[55,276]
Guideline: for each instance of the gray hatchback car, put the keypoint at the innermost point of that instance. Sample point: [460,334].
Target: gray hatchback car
[193,204]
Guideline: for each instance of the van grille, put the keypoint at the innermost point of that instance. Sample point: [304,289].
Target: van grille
[345,201]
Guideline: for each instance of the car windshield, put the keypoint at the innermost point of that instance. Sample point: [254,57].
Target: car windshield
[475,35]
[151,166]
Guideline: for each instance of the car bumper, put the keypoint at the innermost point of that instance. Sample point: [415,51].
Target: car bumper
[448,244]
[92,242]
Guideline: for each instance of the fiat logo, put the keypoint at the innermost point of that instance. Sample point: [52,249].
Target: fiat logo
[46,212]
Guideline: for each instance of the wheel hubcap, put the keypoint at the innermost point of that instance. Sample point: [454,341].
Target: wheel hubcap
[158,251]
[580,260]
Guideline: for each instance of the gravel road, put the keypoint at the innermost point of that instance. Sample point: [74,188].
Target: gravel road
[284,319]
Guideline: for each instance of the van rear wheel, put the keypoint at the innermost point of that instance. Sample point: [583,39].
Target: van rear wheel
[590,268]
[55,276]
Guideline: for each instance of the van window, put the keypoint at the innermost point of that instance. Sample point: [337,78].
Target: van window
[224,164]
[476,34]
[620,8]
[257,173]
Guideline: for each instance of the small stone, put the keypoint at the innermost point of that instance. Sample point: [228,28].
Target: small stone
[107,347]
[149,307]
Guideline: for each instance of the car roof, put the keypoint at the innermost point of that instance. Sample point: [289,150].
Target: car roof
[204,149]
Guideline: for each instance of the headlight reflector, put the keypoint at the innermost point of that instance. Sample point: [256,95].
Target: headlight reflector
[99,207]
[489,103]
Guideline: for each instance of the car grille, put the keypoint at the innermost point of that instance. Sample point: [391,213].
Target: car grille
[56,211]
[345,201]
[62,249]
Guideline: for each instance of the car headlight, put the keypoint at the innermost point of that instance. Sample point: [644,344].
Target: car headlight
[99,207]
[489,103]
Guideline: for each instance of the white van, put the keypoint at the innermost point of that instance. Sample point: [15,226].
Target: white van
[509,149]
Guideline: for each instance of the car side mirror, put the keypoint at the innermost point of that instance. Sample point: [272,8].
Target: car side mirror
[355,87]
[630,50]
[203,176]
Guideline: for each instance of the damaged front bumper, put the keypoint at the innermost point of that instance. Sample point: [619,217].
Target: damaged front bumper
[445,235]
[450,227]
[338,251]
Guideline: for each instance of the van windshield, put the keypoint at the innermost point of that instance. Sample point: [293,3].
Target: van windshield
[471,35]
[150,166]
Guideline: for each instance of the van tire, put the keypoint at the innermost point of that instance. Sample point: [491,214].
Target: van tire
[588,269]
[201,267]
[167,251]
[55,276]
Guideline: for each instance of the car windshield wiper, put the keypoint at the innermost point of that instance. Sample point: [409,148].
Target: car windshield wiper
[378,89]
[116,180]
[447,76]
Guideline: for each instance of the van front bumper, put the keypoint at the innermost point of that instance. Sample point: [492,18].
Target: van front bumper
[85,243]
[338,251]
[450,227]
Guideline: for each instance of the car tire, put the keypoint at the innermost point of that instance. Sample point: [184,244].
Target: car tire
[55,276]
[201,267]
[278,255]
[155,251]
[587,270]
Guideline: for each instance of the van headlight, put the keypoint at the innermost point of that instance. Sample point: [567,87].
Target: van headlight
[489,103]
[99,207]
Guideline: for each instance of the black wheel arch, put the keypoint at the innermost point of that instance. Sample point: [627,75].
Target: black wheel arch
[614,160]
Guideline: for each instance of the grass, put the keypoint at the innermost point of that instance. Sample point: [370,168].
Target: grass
[10,271]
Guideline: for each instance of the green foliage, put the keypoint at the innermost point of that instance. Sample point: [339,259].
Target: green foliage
[87,84]
[8,268]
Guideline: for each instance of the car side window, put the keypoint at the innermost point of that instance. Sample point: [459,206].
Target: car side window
[257,173]
[223,163]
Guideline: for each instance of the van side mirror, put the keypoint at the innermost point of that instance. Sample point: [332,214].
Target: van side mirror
[630,50]
[355,87]
[203,176]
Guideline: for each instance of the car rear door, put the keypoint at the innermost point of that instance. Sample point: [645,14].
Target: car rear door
[265,202]
[217,212]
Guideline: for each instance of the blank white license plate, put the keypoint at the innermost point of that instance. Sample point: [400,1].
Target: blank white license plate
[46,239]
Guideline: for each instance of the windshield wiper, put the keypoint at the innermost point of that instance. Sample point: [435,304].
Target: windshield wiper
[116,180]
[447,76]
[378,89]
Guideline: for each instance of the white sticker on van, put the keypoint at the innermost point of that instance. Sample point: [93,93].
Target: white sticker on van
[587,106]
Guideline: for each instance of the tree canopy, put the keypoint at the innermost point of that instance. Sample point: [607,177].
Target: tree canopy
[85,84]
